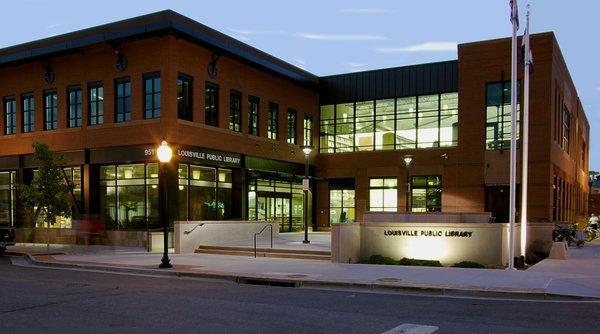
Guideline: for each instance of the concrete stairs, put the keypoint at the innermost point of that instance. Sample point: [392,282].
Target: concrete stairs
[266,252]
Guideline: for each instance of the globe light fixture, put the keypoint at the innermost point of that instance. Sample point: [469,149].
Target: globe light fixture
[307,150]
[164,152]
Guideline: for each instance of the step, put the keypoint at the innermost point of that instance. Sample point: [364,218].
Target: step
[266,252]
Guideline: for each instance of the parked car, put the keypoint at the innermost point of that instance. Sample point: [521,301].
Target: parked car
[7,238]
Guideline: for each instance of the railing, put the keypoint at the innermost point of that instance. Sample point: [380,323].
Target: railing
[270,226]
[192,230]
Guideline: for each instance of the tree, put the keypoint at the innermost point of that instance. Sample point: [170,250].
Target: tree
[46,194]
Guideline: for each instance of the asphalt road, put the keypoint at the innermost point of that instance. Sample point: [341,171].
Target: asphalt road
[36,300]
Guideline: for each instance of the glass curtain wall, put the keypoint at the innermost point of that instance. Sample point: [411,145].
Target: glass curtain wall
[7,198]
[205,193]
[426,193]
[403,123]
[129,196]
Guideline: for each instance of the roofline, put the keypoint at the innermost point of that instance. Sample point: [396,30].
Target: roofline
[389,68]
[505,39]
[162,22]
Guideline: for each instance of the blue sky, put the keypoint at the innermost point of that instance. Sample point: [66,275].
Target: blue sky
[329,37]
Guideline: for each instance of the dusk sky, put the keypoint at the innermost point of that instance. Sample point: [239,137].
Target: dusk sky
[329,37]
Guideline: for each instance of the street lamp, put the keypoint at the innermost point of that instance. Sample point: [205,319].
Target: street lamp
[407,160]
[305,186]
[164,154]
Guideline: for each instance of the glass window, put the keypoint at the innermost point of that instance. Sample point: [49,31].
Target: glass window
[7,198]
[344,127]
[184,97]
[384,124]
[50,110]
[206,193]
[327,128]
[273,125]
[235,111]
[211,104]
[308,130]
[75,107]
[402,123]
[122,100]
[426,193]
[341,206]
[129,196]
[566,125]
[10,116]
[96,104]
[253,114]
[498,112]
[365,126]
[383,194]
[151,96]
[291,126]
[28,113]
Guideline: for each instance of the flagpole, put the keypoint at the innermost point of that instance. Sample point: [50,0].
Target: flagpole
[513,138]
[525,140]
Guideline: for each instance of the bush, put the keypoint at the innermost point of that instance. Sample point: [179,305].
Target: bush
[534,257]
[468,264]
[417,262]
[379,259]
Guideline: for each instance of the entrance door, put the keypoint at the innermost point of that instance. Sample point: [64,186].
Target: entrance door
[279,209]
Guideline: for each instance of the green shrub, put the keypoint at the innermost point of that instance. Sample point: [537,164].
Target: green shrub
[379,259]
[417,262]
[468,264]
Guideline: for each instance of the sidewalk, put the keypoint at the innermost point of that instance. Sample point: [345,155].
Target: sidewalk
[577,277]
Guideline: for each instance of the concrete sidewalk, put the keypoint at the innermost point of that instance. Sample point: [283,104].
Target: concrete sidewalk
[577,277]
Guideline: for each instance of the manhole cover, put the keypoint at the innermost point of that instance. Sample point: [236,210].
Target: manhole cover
[389,279]
[77,285]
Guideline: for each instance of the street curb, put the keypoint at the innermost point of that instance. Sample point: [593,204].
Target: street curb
[314,283]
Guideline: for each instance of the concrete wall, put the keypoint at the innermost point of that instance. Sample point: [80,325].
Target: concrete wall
[70,236]
[447,242]
[221,233]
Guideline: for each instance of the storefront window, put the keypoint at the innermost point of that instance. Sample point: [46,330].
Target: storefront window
[205,193]
[426,194]
[7,198]
[129,196]
[277,200]
[341,205]
[383,194]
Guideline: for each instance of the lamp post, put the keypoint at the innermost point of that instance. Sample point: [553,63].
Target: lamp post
[305,186]
[164,153]
[407,160]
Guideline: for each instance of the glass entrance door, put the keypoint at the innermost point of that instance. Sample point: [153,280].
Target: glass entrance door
[278,209]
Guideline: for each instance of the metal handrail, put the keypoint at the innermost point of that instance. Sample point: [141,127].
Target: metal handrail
[270,226]
[192,230]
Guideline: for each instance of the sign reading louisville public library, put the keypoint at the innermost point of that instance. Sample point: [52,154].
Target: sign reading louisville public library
[428,233]
[201,155]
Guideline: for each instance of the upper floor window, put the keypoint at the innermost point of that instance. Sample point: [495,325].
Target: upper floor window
[75,108]
[96,104]
[273,125]
[426,193]
[566,129]
[253,113]
[122,100]
[10,116]
[498,115]
[412,122]
[28,113]
[235,111]
[211,104]
[50,110]
[383,194]
[308,125]
[291,126]
[184,97]
[151,96]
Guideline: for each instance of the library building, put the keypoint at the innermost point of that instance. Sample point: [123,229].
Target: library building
[246,128]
